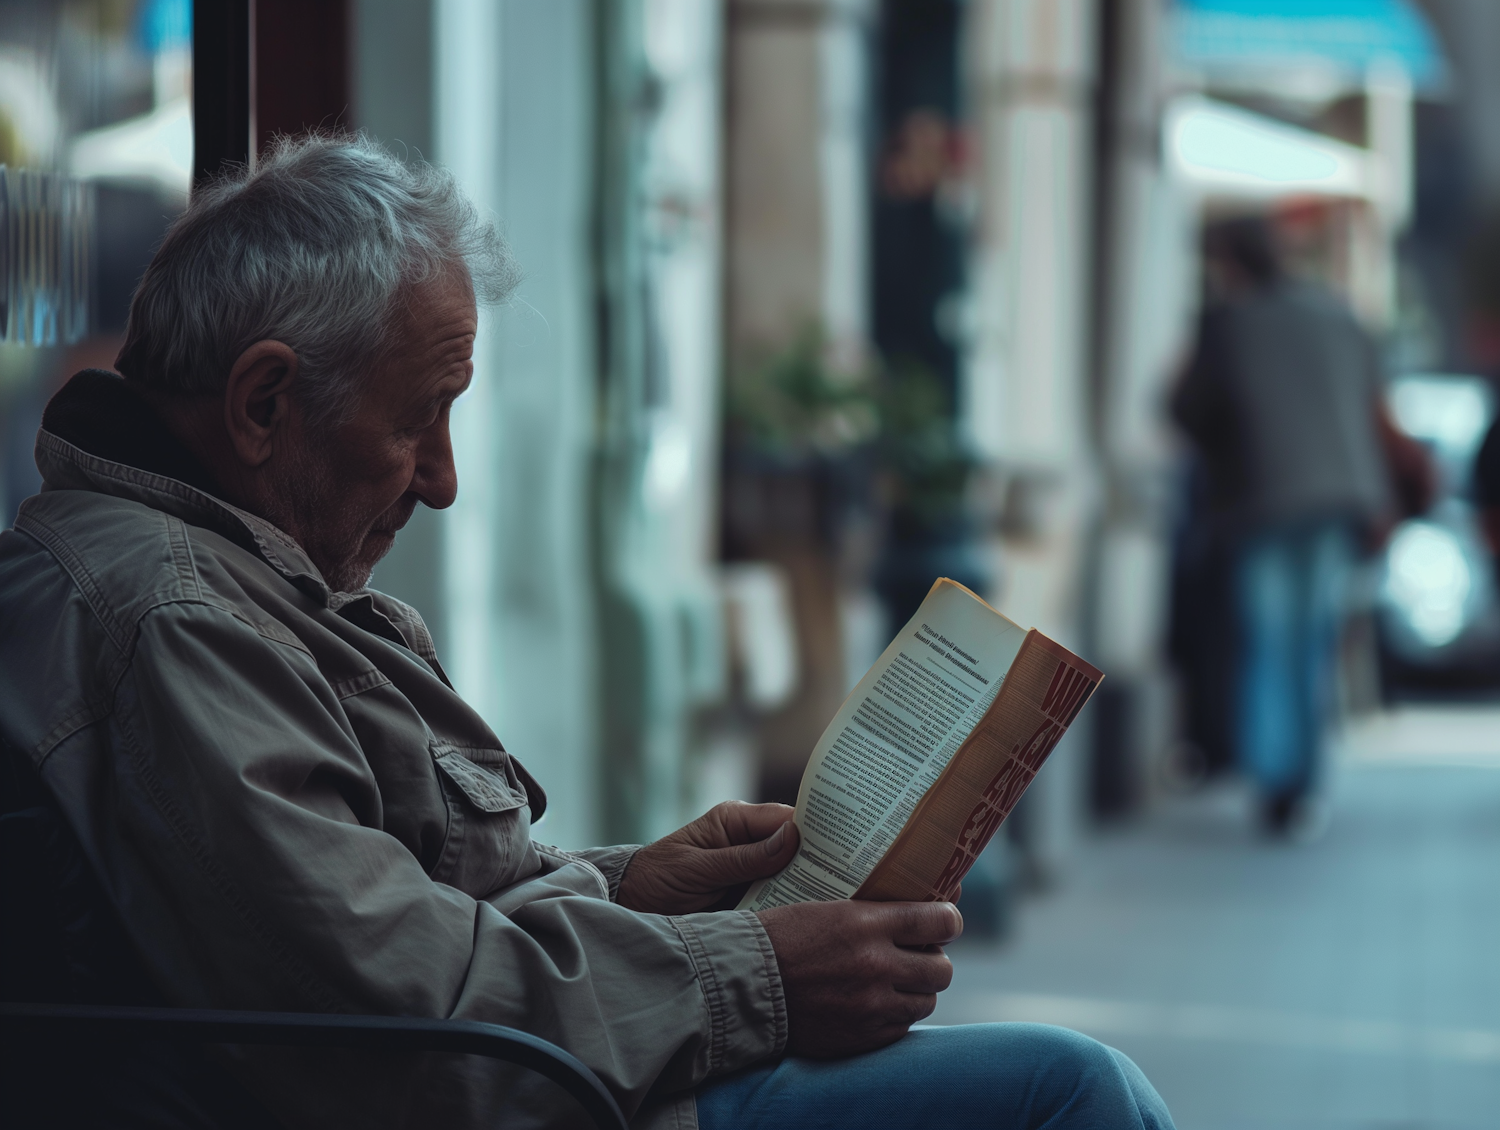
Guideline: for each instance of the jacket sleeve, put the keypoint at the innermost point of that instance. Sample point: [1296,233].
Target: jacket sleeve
[243,849]
[611,862]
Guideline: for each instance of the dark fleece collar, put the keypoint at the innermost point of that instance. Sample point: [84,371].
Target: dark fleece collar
[100,413]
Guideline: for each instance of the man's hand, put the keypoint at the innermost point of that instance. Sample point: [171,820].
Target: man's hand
[699,865]
[857,975]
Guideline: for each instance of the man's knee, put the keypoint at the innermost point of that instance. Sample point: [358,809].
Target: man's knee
[1075,1075]
[1070,1057]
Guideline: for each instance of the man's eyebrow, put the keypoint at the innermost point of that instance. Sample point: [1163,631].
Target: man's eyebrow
[449,387]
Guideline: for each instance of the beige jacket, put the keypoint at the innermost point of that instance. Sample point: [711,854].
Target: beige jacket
[291,809]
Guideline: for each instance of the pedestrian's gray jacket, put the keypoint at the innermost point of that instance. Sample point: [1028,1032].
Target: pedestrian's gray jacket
[1281,400]
[290,808]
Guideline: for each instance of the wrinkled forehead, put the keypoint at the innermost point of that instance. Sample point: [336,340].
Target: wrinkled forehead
[428,343]
[442,298]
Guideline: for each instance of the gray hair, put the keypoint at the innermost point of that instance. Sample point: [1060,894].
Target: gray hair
[312,249]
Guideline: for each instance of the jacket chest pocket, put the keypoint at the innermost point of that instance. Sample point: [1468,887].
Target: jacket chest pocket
[489,837]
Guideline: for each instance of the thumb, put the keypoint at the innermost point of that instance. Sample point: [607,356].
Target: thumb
[759,860]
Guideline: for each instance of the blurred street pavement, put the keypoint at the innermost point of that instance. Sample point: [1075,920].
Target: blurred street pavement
[1350,983]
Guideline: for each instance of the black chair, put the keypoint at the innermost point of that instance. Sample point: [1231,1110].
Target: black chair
[80,1024]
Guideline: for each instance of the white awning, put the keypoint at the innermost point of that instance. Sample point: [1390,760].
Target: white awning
[1224,150]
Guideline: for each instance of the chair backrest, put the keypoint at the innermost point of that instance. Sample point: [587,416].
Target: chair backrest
[68,968]
[62,943]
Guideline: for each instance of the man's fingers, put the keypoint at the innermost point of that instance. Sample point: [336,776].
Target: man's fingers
[917,1007]
[726,866]
[782,843]
[923,923]
[741,823]
[766,856]
[922,973]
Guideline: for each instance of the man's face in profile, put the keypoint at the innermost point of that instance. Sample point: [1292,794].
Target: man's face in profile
[352,485]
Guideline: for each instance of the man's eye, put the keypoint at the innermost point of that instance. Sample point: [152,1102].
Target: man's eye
[425,421]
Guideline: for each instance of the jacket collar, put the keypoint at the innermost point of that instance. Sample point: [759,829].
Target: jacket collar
[99,435]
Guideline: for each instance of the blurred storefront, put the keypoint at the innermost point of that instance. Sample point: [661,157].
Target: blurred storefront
[823,299]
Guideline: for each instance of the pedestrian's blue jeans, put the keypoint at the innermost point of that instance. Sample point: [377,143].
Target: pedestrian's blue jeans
[971,1076]
[1291,585]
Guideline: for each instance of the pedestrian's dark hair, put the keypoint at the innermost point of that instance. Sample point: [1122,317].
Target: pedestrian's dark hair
[1249,244]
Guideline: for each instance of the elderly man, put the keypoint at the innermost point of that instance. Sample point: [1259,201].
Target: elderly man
[289,807]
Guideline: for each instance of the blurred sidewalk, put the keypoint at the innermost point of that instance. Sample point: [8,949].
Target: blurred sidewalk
[1350,983]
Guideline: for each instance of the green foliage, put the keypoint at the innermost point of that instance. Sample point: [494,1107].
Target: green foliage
[794,405]
[918,447]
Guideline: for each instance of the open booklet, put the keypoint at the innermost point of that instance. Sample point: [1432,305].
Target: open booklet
[927,755]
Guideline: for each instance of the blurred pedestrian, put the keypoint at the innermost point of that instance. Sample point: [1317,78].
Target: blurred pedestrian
[1201,633]
[1281,401]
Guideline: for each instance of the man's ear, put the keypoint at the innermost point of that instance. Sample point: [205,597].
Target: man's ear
[257,399]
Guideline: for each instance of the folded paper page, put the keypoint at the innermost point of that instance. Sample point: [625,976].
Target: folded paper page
[927,755]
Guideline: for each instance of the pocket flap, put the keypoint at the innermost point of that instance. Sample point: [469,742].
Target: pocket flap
[489,788]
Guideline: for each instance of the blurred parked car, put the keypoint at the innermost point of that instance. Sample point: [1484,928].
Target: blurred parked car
[1436,609]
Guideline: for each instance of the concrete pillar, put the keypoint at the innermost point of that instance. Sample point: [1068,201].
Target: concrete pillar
[1145,297]
[798,256]
[797,195]
[1389,136]
[655,485]
[1032,64]
[1025,399]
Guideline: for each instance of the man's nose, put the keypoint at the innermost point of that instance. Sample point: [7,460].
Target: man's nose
[435,480]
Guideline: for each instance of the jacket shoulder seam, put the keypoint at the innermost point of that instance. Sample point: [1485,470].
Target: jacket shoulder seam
[183,558]
[209,601]
[73,565]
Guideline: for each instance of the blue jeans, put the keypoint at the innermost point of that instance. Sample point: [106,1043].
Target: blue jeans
[1291,587]
[999,1076]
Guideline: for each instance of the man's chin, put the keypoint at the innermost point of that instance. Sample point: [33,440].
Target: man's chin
[377,544]
[353,573]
